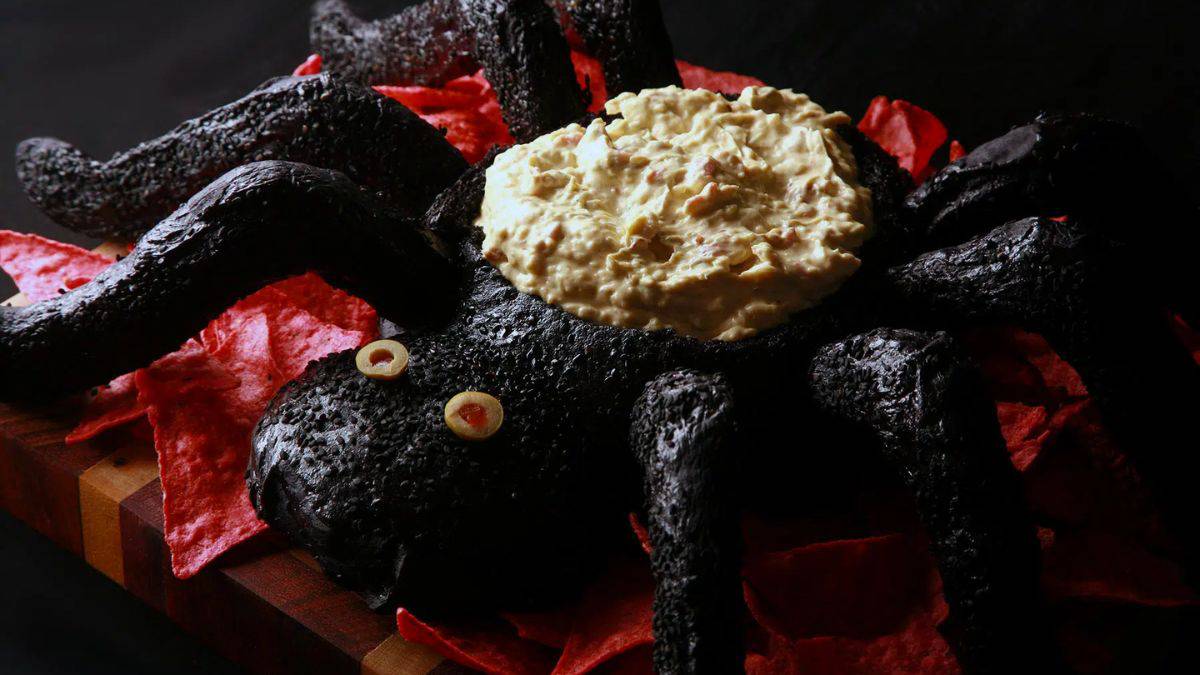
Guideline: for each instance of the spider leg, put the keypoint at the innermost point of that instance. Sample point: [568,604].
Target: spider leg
[526,60]
[681,427]
[257,224]
[422,44]
[314,120]
[518,44]
[1097,170]
[630,39]
[1070,285]
[917,393]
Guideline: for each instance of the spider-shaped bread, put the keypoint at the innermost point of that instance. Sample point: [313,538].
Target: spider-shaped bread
[320,173]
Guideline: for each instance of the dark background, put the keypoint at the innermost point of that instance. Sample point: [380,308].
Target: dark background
[106,75]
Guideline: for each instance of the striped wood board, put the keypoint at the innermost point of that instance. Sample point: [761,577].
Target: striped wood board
[266,606]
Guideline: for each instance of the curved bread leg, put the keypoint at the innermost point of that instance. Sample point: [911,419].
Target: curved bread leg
[518,44]
[526,59]
[1097,170]
[630,40]
[920,397]
[377,142]
[1057,279]
[257,224]
[423,44]
[1062,164]
[681,426]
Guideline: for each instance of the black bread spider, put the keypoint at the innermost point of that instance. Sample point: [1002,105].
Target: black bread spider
[600,420]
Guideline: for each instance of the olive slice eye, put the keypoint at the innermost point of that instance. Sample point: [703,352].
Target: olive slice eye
[474,415]
[382,360]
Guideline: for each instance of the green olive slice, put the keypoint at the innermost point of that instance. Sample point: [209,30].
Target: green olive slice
[382,360]
[474,415]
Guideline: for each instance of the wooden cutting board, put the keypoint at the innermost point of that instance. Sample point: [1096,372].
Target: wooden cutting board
[266,606]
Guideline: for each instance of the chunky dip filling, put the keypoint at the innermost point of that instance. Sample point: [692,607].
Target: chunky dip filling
[716,218]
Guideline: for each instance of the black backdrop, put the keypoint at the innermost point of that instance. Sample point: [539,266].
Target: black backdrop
[106,75]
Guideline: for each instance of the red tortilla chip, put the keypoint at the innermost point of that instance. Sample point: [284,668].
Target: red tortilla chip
[909,133]
[42,268]
[244,350]
[590,76]
[858,588]
[202,433]
[473,132]
[698,77]
[1028,429]
[1025,429]
[1037,393]
[467,109]
[956,152]
[311,66]
[113,405]
[71,283]
[294,336]
[640,531]
[1084,480]
[310,293]
[298,339]
[916,649]
[1059,377]
[636,661]
[1005,366]
[851,606]
[202,442]
[415,97]
[1187,335]
[550,628]
[610,628]
[488,648]
[1106,567]
[613,618]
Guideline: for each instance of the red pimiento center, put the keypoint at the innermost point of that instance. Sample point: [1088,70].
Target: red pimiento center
[474,415]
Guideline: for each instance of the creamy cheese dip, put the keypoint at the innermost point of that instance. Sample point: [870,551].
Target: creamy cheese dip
[716,218]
